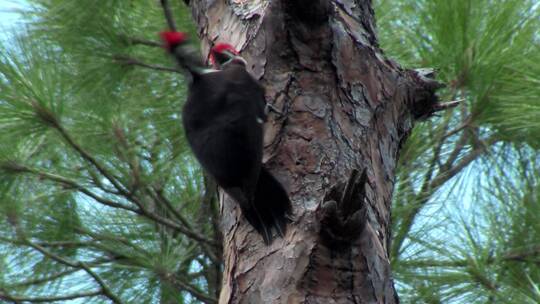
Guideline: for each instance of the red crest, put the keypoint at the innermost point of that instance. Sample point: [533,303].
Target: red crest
[173,39]
[219,48]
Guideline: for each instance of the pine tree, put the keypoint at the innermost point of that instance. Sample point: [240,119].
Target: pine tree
[101,200]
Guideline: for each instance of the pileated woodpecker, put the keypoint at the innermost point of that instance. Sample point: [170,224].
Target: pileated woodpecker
[223,120]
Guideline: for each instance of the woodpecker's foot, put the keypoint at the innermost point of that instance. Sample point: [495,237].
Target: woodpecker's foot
[343,213]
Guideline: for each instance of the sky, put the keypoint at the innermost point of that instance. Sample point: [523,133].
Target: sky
[9,14]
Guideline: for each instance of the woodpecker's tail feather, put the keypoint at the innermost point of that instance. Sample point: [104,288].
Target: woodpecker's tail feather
[250,213]
[272,205]
[270,208]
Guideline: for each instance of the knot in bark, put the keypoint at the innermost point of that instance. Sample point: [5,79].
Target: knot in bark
[424,101]
[343,213]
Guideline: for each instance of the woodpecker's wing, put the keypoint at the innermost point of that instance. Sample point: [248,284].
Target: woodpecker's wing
[271,208]
[252,93]
[223,120]
[221,123]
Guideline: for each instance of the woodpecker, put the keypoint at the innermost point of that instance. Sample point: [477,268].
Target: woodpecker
[223,120]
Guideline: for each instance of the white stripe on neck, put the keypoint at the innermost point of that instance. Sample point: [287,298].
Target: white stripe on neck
[203,71]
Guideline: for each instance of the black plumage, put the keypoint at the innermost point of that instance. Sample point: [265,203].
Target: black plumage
[223,120]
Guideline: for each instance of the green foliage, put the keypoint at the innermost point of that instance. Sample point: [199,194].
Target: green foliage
[465,208]
[96,180]
[97,184]
[486,51]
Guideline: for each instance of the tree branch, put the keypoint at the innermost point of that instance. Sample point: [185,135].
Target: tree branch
[65,244]
[43,280]
[522,256]
[441,106]
[458,129]
[89,158]
[400,236]
[66,182]
[458,148]
[104,287]
[158,195]
[23,240]
[167,222]
[55,276]
[132,61]
[135,40]
[424,196]
[45,299]
[85,155]
[81,265]
[515,256]
[117,239]
[141,211]
[446,175]
[168,15]
[181,284]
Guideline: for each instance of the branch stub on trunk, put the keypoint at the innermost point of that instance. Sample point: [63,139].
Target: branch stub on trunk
[343,213]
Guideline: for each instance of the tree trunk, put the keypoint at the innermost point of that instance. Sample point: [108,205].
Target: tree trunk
[346,111]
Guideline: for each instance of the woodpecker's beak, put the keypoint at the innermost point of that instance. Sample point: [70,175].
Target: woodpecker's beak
[225,57]
[230,55]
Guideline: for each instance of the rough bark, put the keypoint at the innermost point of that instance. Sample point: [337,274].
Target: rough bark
[346,111]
